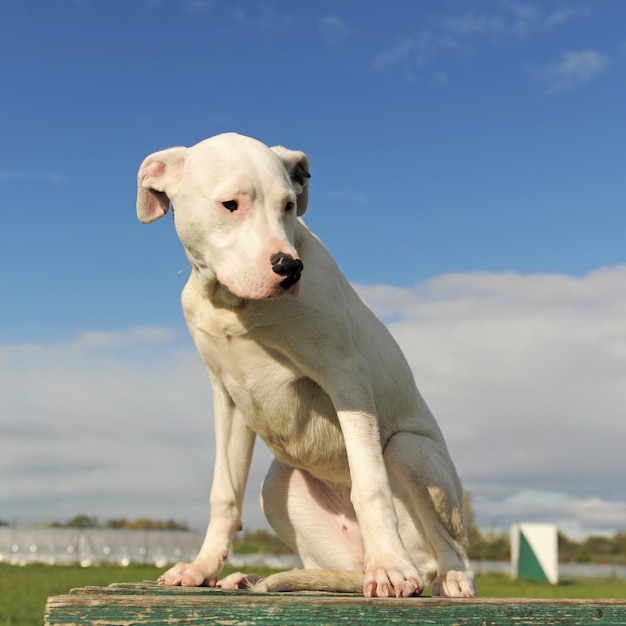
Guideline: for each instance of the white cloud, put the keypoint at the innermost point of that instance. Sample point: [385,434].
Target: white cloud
[566,14]
[401,52]
[111,424]
[44,177]
[195,7]
[509,19]
[470,24]
[525,373]
[348,195]
[334,30]
[576,517]
[526,376]
[523,19]
[263,15]
[505,23]
[573,70]
[189,7]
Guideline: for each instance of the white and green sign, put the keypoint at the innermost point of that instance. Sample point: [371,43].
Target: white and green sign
[534,552]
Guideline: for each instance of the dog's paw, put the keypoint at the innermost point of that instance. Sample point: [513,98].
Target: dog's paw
[188,575]
[385,582]
[238,580]
[454,584]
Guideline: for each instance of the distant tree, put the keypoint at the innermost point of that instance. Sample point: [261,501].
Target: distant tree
[594,549]
[619,542]
[600,549]
[174,525]
[82,521]
[569,551]
[473,534]
[119,523]
[3,523]
[144,523]
[493,546]
[259,542]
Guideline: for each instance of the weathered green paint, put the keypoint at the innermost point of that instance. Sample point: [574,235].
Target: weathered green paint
[149,605]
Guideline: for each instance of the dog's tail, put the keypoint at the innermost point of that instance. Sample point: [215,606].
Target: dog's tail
[312,580]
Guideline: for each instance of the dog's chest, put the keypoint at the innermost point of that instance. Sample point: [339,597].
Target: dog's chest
[288,410]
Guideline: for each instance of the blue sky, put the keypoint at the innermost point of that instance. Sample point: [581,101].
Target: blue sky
[468,174]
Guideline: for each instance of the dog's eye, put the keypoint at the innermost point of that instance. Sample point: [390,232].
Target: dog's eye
[230,205]
[289,206]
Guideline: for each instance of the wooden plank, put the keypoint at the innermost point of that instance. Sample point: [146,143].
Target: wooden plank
[150,605]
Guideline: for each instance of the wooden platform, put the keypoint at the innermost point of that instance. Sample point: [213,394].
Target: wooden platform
[148,604]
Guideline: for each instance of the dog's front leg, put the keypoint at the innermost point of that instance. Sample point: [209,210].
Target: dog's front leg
[234,443]
[388,567]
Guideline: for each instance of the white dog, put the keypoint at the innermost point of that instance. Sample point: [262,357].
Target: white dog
[362,487]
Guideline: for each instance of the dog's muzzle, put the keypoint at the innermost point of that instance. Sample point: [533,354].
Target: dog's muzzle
[285,265]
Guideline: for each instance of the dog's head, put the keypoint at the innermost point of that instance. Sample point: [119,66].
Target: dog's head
[236,204]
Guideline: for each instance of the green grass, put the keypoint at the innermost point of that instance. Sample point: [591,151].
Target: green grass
[23,590]
[503,586]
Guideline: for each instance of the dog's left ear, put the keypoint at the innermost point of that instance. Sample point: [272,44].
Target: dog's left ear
[158,179]
[297,164]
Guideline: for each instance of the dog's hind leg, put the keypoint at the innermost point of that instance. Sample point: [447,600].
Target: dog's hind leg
[316,520]
[429,502]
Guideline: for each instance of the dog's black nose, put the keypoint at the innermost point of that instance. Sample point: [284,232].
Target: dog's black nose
[285,265]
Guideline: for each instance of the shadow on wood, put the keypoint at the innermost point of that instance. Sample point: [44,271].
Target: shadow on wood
[149,604]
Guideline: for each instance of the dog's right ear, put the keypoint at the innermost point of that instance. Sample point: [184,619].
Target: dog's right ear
[297,164]
[157,181]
